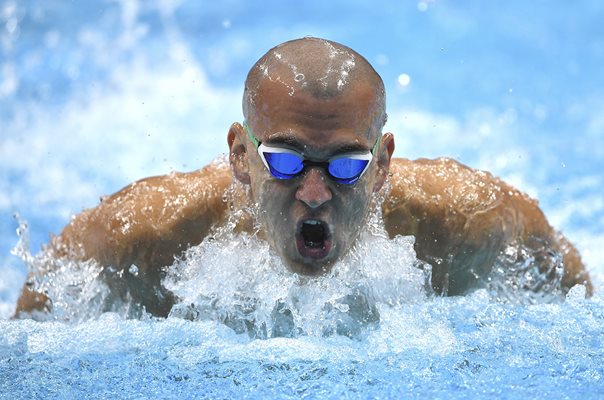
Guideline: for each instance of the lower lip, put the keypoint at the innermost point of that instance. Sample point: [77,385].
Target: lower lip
[315,253]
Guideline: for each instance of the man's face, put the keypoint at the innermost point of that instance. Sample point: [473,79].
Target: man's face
[311,220]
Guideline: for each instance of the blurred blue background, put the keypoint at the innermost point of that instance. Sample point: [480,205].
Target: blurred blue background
[95,95]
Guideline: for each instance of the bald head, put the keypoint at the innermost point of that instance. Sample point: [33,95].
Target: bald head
[321,68]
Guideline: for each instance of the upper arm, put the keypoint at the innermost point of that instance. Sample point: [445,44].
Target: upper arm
[462,219]
[149,221]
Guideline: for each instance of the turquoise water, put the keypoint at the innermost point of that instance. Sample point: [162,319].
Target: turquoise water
[95,96]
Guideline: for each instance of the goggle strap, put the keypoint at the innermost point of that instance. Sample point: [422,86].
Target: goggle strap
[375,146]
[251,135]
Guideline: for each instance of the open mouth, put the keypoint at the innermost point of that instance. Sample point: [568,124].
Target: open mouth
[313,239]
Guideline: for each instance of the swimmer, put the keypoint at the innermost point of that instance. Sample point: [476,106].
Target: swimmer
[312,152]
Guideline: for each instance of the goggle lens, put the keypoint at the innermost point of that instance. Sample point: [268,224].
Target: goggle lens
[287,166]
[346,169]
[283,165]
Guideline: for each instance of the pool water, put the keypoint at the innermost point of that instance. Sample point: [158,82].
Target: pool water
[95,96]
[370,328]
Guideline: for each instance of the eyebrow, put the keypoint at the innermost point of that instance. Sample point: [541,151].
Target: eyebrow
[288,139]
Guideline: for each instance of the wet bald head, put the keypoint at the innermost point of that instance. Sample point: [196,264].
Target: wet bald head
[319,67]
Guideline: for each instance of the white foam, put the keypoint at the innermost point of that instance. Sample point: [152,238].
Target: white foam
[255,292]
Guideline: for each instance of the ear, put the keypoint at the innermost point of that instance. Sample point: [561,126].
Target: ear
[238,153]
[383,160]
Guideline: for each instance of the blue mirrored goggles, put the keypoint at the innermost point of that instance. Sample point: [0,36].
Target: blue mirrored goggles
[287,164]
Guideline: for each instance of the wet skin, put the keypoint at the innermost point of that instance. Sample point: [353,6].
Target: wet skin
[318,129]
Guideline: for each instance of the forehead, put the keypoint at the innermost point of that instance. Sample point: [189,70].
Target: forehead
[284,110]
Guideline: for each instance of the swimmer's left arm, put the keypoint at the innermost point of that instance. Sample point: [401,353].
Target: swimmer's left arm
[462,219]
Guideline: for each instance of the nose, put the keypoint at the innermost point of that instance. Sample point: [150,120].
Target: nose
[313,190]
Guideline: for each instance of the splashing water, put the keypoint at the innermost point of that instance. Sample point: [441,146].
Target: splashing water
[404,340]
[529,276]
[239,280]
[235,278]
[76,291]
[236,289]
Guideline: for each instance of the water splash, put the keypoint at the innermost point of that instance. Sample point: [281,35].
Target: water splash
[77,289]
[21,249]
[527,275]
[404,338]
[234,277]
[238,279]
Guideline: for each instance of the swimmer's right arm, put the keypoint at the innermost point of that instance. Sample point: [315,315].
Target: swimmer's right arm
[148,223]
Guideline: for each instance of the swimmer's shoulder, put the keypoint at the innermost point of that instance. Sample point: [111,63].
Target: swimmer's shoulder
[208,181]
[179,208]
[454,197]
[450,182]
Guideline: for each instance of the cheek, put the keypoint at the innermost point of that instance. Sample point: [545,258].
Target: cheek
[353,209]
[274,200]
[260,184]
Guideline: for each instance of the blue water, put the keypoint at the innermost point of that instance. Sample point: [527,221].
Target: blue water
[96,95]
